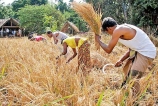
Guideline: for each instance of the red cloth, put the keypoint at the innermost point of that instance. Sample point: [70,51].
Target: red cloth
[39,38]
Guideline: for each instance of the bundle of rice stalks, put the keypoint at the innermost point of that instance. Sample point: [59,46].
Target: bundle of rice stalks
[92,17]
[89,15]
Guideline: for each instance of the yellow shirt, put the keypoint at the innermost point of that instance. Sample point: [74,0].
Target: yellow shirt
[70,41]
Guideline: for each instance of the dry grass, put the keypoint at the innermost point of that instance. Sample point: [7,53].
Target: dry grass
[154,40]
[89,15]
[31,76]
[92,17]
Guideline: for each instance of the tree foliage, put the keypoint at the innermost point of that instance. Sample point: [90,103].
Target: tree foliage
[17,4]
[144,12]
[70,15]
[38,2]
[5,11]
[118,9]
[137,12]
[37,18]
[62,6]
[73,17]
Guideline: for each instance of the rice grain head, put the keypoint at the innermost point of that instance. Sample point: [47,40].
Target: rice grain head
[92,17]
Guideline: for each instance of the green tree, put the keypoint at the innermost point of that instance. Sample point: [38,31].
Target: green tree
[78,21]
[144,12]
[1,10]
[37,18]
[5,11]
[62,6]
[118,9]
[38,2]
[70,15]
[17,4]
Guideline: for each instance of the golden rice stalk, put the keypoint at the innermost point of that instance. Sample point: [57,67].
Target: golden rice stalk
[92,17]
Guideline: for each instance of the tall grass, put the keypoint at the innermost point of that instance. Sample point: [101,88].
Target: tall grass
[154,40]
[31,76]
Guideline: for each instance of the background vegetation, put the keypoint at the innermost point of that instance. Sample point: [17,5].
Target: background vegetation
[142,13]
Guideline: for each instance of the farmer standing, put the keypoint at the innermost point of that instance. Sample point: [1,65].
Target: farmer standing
[19,32]
[141,50]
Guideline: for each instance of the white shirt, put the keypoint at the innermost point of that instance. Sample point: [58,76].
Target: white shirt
[61,36]
[7,30]
[140,43]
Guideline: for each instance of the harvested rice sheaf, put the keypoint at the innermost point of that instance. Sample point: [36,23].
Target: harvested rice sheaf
[92,17]
[89,15]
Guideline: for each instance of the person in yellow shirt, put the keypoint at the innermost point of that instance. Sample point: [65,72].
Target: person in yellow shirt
[83,50]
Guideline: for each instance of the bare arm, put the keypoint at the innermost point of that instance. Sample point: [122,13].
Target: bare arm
[108,48]
[55,38]
[74,55]
[64,50]
[124,57]
[44,40]
[32,39]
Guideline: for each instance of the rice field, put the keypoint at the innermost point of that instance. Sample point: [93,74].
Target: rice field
[30,75]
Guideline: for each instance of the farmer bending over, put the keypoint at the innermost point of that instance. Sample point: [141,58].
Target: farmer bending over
[83,50]
[57,36]
[141,50]
[37,38]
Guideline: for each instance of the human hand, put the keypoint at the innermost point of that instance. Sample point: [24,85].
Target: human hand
[68,61]
[57,57]
[118,63]
[97,37]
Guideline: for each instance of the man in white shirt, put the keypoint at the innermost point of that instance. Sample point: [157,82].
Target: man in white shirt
[141,50]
